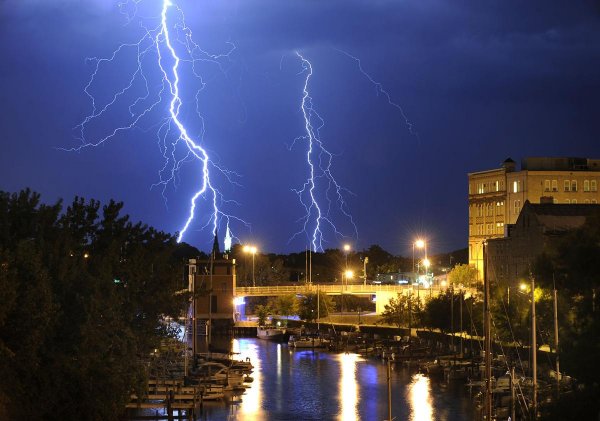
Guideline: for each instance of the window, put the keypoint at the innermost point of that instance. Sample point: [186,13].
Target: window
[554,185]
[516,207]
[567,201]
[586,201]
[594,201]
[573,185]
[574,201]
[546,185]
[516,186]
[567,185]
[586,185]
[593,186]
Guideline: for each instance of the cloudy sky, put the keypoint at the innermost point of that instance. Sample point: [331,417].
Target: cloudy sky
[470,83]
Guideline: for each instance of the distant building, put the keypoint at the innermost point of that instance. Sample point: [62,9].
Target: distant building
[537,229]
[215,290]
[214,283]
[497,196]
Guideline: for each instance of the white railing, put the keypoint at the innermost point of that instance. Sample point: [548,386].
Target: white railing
[333,289]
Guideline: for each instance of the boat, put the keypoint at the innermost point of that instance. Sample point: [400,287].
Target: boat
[309,342]
[274,334]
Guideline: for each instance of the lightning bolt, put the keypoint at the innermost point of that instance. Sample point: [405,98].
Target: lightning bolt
[160,48]
[320,182]
[380,90]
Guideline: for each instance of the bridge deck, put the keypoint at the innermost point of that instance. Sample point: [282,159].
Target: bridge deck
[331,289]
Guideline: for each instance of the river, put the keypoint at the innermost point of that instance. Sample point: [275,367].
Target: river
[319,385]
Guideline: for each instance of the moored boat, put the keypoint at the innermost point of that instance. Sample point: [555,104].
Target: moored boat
[274,334]
[308,342]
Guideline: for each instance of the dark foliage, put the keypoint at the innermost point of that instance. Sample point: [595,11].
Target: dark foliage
[83,293]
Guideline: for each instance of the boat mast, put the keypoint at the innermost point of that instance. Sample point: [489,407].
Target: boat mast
[487,339]
[556,339]
[533,347]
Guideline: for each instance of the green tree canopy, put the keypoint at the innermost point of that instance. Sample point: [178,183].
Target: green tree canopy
[83,295]
[308,309]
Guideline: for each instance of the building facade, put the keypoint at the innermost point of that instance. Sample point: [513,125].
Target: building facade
[538,228]
[497,196]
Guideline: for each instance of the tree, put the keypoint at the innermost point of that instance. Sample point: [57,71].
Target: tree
[84,294]
[465,275]
[262,312]
[284,305]
[440,311]
[308,310]
[403,310]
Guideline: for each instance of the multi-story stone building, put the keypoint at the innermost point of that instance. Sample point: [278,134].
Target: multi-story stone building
[496,196]
[538,229]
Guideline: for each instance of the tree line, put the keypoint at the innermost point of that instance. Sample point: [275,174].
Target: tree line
[83,297]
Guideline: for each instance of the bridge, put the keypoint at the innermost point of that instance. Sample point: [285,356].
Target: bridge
[382,293]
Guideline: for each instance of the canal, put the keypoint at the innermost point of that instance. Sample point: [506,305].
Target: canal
[319,385]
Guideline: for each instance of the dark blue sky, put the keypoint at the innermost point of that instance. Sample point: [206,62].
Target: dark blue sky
[479,81]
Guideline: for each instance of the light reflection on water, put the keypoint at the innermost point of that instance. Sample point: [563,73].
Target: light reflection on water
[319,385]
[348,387]
[419,397]
[251,407]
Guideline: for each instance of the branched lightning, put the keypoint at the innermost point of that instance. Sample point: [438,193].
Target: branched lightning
[320,182]
[380,90]
[161,51]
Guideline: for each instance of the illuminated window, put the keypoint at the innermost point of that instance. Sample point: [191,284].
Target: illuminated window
[554,185]
[573,185]
[586,185]
[516,186]
[574,201]
[593,186]
[546,185]
[567,185]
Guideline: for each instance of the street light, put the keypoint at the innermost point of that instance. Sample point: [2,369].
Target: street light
[419,244]
[252,250]
[349,275]
[346,251]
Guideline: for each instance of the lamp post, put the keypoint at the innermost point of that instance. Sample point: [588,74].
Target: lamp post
[346,251]
[419,244]
[252,250]
[348,274]
[426,264]
[365,261]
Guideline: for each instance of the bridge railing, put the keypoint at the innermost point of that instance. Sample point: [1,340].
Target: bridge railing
[333,289]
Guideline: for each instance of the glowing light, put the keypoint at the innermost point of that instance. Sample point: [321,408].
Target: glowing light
[158,53]
[349,274]
[420,244]
[420,401]
[348,387]
[238,301]
[320,181]
[346,248]
[253,396]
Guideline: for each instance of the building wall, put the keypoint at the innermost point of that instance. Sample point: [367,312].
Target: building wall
[497,196]
[222,283]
